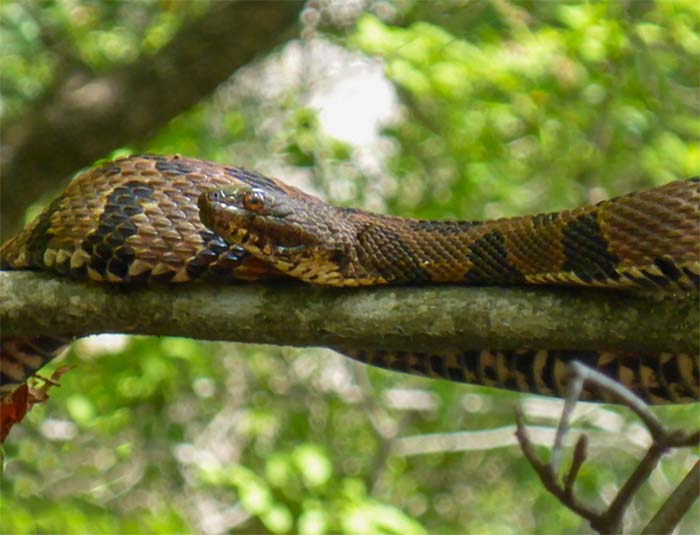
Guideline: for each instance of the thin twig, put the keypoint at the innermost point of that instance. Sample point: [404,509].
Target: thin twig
[580,454]
[610,521]
[546,475]
[575,388]
[622,395]
[677,504]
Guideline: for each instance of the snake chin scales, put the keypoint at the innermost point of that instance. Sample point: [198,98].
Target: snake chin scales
[149,219]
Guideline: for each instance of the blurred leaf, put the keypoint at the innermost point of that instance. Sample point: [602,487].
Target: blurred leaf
[314,465]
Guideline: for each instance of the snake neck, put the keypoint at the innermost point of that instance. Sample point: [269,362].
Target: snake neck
[396,250]
[385,249]
[595,245]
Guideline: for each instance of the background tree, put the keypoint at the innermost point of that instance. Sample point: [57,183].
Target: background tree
[436,110]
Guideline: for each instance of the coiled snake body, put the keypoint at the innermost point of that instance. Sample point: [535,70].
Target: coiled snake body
[152,218]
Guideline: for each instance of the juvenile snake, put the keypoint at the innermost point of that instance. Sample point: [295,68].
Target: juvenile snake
[144,219]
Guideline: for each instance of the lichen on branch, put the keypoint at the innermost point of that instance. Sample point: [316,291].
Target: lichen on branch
[408,318]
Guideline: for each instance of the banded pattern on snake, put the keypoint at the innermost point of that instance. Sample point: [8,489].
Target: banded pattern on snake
[147,219]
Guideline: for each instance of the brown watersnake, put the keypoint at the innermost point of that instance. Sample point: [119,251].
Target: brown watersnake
[136,220]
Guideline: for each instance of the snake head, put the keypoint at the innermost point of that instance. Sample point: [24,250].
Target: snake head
[290,229]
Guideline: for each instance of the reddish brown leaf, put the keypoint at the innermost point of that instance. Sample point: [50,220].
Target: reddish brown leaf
[16,404]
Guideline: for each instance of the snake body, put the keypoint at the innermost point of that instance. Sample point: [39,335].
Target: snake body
[167,219]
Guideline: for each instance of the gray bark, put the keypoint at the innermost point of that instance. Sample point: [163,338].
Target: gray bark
[427,318]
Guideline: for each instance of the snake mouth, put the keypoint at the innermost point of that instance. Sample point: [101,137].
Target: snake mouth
[225,220]
[265,234]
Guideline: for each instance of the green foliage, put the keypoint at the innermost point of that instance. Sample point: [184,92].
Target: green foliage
[507,107]
[529,117]
[42,40]
[77,516]
[298,495]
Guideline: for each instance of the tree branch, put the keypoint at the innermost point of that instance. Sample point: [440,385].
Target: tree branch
[406,318]
[84,118]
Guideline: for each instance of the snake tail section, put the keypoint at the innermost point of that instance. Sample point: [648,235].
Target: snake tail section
[22,356]
[656,378]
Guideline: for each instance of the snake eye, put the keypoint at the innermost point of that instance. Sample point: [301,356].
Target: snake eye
[253,201]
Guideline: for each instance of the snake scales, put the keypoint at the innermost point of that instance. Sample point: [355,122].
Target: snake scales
[147,219]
